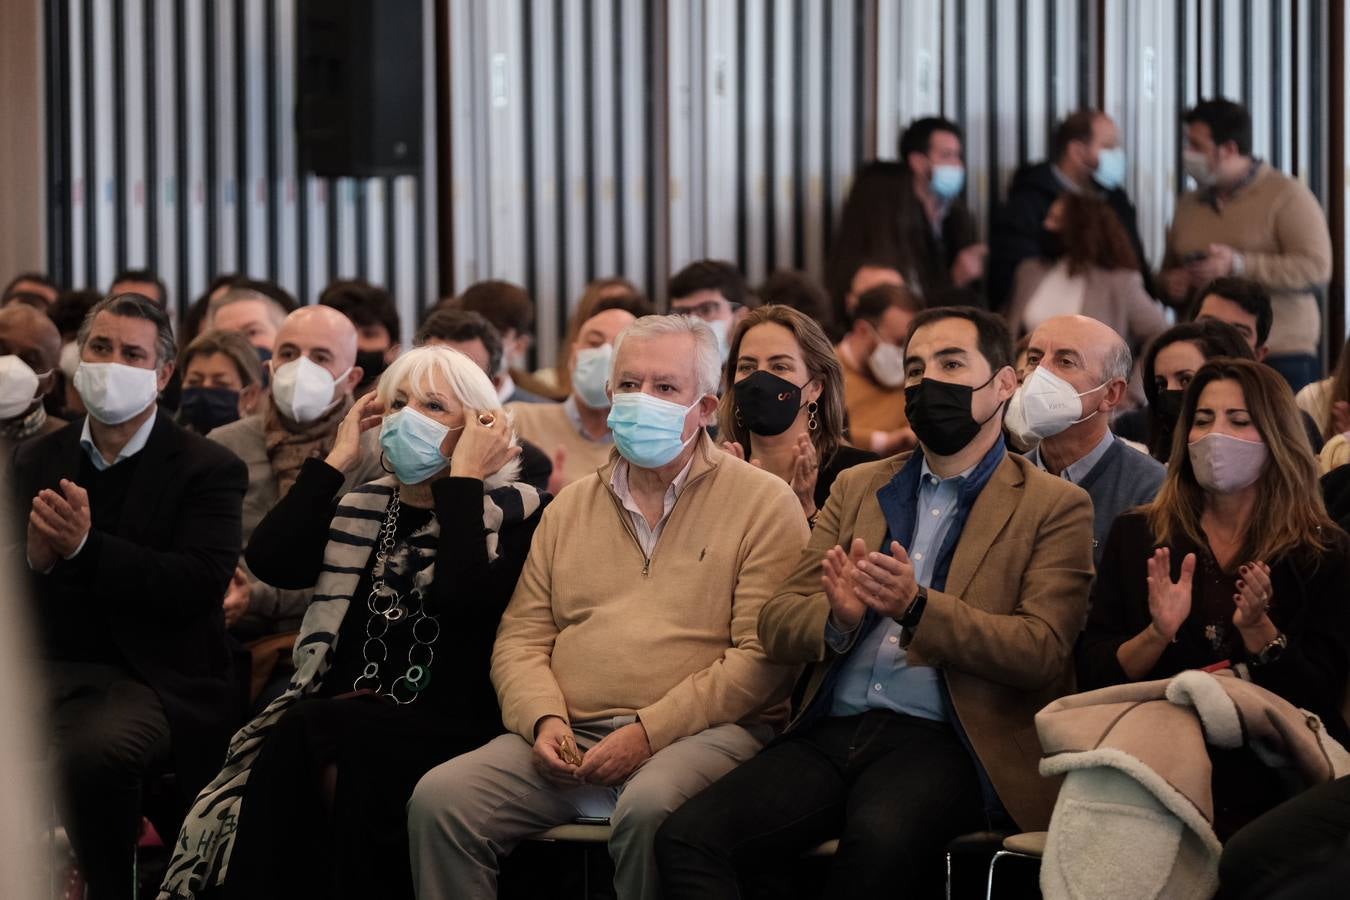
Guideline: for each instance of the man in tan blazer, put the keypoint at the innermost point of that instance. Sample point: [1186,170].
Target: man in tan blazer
[936,606]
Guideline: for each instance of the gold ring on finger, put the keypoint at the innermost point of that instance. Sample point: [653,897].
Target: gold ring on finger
[486,419]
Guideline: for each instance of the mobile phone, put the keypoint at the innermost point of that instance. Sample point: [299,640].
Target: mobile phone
[591,820]
[1194,257]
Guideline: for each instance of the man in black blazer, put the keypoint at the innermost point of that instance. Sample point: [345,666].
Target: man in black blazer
[133,532]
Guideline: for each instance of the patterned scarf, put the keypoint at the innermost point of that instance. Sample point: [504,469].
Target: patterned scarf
[202,853]
[290,444]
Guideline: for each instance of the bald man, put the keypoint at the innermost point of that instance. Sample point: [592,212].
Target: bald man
[314,374]
[1075,375]
[30,350]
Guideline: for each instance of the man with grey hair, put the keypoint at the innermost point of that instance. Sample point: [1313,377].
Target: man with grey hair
[627,665]
[249,312]
[132,530]
[1076,374]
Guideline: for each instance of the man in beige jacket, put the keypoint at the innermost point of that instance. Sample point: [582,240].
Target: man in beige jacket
[627,665]
[937,605]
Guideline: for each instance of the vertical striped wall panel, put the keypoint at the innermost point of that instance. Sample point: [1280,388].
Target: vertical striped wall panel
[171,146]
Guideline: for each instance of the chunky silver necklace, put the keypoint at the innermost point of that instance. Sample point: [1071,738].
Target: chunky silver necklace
[385,611]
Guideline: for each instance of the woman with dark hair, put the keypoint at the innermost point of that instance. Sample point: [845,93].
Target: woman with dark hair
[1169,365]
[1090,269]
[784,406]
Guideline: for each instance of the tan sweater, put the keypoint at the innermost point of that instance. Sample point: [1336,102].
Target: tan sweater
[595,629]
[1278,227]
[871,407]
[548,427]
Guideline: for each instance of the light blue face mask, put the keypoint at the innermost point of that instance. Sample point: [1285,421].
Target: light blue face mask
[648,431]
[1110,172]
[948,181]
[591,374]
[412,443]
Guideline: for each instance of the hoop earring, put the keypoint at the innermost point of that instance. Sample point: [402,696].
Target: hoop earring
[812,423]
[383,466]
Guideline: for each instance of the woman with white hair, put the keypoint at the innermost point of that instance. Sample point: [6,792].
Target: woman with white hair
[411,574]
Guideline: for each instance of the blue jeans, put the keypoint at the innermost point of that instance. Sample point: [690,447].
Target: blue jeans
[1299,369]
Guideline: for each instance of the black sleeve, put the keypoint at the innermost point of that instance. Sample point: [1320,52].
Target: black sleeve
[1312,671]
[187,579]
[286,549]
[1113,615]
[1014,237]
[535,466]
[844,458]
[1125,211]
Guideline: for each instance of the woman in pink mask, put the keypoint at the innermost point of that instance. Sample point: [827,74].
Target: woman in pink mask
[1235,562]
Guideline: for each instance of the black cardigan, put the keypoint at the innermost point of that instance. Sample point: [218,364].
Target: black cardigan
[845,457]
[469,593]
[1309,606]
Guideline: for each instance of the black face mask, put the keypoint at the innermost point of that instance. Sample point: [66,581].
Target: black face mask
[203,408]
[1167,406]
[1052,245]
[372,364]
[766,404]
[939,412]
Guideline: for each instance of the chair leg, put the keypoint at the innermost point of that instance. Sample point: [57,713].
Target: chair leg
[989,887]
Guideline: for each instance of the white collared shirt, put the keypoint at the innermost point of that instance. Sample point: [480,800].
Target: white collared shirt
[130,449]
[646,534]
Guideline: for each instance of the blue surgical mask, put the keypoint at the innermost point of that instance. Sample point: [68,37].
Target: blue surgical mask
[1110,172]
[412,443]
[591,374]
[948,181]
[648,431]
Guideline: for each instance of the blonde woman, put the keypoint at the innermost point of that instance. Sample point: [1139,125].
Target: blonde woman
[411,574]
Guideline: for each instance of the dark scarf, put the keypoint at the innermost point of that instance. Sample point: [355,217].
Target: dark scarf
[290,444]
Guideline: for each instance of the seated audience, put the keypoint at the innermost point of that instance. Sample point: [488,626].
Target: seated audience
[28,287]
[872,356]
[1086,267]
[1245,305]
[1207,573]
[800,291]
[474,336]
[936,608]
[143,282]
[511,311]
[30,356]
[132,532]
[250,312]
[1076,372]
[713,291]
[222,381]
[1247,218]
[195,314]
[785,409]
[314,372]
[378,332]
[575,433]
[554,383]
[410,575]
[1086,159]
[627,665]
[1169,365]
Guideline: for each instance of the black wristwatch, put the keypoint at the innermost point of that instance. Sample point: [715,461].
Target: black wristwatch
[1271,651]
[910,620]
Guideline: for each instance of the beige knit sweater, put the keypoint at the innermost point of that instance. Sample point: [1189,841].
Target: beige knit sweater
[1281,232]
[595,629]
[548,427]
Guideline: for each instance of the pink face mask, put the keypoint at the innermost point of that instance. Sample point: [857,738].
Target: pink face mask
[1224,464]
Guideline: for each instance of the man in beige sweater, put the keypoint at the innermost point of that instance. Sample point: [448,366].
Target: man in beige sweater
[627,665]
[1248,219]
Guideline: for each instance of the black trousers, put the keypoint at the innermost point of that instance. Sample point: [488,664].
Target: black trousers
[1293,840]
[108,731]
[893,788]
